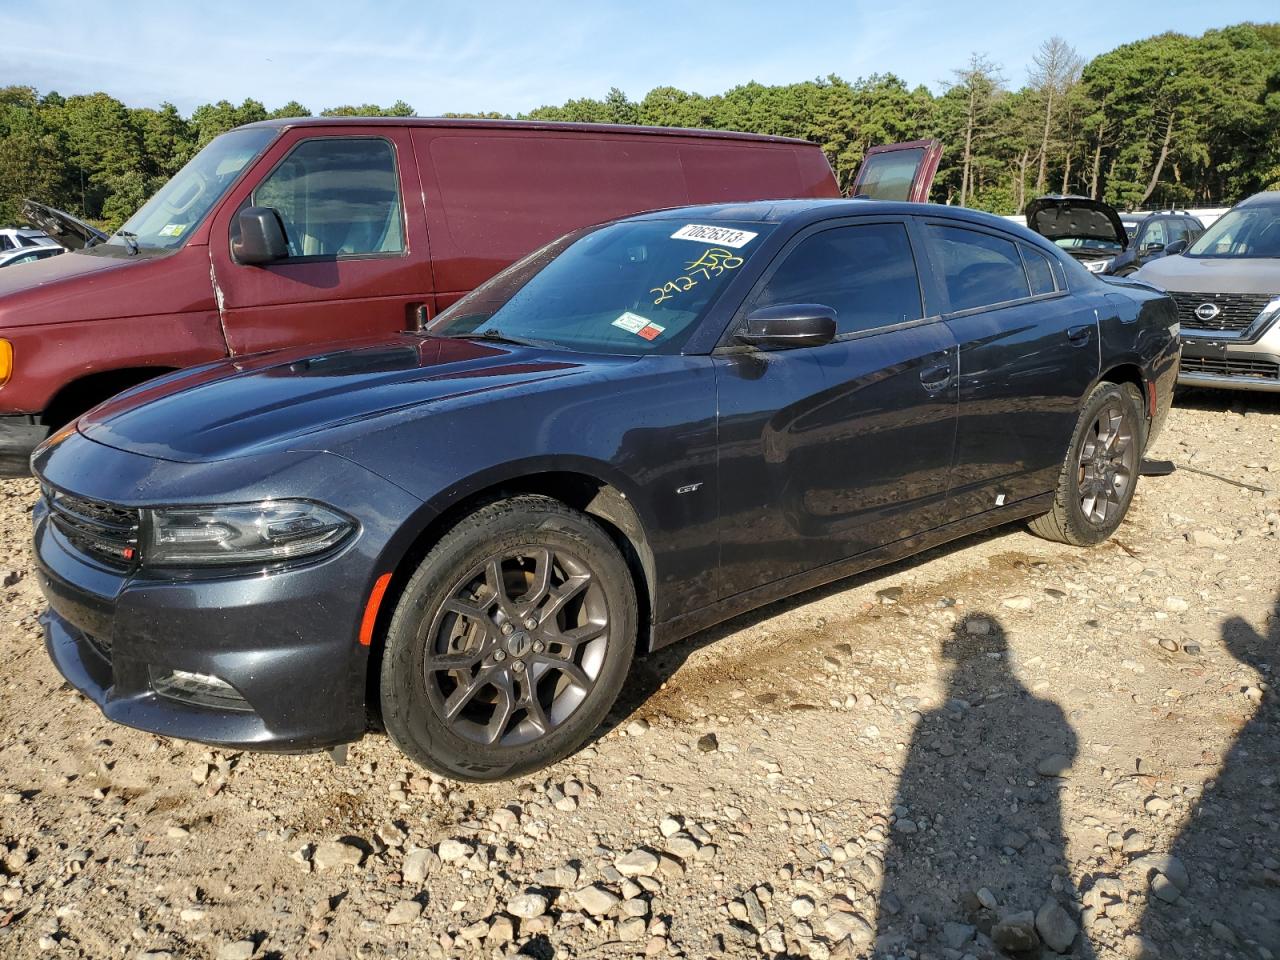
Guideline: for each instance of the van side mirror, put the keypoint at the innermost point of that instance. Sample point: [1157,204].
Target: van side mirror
[789,325]
[261,238]
[1175,248]
[1152,247]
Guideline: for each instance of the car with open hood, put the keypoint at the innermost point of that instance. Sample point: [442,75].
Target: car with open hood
[1227,288]
[1088,230]
[642,429]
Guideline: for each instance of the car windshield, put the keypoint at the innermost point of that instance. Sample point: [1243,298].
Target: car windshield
[1252,231]
[636,287]
[167,219]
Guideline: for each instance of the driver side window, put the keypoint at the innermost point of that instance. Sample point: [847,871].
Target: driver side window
[337,197]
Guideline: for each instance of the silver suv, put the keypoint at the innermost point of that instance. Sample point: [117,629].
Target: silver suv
[1227,287]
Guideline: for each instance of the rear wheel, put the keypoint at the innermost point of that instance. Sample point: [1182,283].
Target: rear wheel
[510,642]
[1101,468]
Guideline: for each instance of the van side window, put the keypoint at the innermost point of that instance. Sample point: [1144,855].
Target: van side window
[1038,271]
[337,197]
[979,270]
[865,273]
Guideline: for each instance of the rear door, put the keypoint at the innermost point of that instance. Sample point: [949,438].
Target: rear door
[358,263]
[827,452]
[1028,353]
[898,171]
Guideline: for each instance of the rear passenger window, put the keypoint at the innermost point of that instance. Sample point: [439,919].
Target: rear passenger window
[337,196]
[978,269]
[1038,271]
[866,273]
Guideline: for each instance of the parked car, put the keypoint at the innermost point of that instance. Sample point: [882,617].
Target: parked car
[29,254]
[1154,235]
[1227,287]
[22,238]
[640,430]
[305,231]
[1105,241]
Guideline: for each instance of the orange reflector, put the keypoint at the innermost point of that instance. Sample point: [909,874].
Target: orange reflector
[371,609]
[6,361]
[1151,398]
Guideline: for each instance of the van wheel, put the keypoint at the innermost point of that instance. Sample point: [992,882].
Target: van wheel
[1101,468]
[510,642]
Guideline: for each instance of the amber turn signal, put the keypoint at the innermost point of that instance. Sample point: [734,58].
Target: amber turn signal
[6,361]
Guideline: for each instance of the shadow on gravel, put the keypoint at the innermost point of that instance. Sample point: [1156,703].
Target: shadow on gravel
[1220,401]
[1230,845]
[979,801]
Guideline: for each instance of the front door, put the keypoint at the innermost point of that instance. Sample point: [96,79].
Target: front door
[1028,354]
[358,263]
[826,452]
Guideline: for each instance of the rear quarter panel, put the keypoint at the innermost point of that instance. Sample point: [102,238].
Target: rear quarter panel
[1139,327]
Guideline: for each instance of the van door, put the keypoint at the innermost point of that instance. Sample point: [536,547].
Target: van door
[898,171]
[350,203]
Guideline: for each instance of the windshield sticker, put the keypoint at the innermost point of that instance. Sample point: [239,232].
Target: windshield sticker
[634,323]
[713,262]
[727,236]
[172,230]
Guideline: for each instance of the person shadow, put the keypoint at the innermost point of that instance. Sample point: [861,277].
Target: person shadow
[1229,847]
[976,861]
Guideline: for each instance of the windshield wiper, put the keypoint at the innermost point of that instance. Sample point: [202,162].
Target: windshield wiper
[130,241]
[499,337]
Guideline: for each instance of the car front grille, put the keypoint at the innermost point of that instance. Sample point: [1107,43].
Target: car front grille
[105,532]
[1228,367]
[1236,311]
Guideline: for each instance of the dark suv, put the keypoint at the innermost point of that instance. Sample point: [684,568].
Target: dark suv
[1151,236]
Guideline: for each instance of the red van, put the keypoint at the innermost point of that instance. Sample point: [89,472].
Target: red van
[296,231]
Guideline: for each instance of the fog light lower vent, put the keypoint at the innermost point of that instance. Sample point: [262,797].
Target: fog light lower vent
[199,689]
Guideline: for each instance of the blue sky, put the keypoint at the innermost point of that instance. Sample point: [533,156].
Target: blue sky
[515,56]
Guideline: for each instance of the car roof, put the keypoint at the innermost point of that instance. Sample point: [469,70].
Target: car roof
[556,126]
[797,213]
[1267,197]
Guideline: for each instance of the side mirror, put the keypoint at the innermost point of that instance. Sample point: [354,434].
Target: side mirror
[1175,248]
[789,325]
[1152,247]
[261,238]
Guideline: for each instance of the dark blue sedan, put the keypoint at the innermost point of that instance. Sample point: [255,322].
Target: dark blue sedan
[640,430]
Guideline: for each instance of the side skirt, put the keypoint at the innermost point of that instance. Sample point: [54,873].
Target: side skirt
[690,623]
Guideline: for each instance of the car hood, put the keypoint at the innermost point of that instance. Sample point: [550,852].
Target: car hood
[1213,274]
[72,232]
[239,407]
[1060,217]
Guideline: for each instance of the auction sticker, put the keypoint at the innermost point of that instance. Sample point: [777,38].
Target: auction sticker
[634,323]
[725,236]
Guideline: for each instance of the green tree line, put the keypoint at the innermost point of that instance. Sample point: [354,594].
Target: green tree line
[1169,120]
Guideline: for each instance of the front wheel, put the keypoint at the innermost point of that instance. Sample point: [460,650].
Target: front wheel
[510,642]
[1100,471]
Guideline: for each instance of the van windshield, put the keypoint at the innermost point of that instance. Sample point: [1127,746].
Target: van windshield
[1245,232]
[166,220]
[635,287]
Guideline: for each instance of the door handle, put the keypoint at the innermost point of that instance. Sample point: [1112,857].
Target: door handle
[1079,336]
[936,377]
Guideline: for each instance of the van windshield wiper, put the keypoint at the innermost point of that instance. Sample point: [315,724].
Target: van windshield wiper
[130,241]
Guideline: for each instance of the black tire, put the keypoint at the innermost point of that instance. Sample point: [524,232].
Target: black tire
[454,642]
[1077,517]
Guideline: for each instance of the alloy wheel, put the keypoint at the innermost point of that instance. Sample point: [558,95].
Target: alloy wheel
[517,647]
[1108,463]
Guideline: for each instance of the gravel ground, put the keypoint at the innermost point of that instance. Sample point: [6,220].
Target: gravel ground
[1004,745]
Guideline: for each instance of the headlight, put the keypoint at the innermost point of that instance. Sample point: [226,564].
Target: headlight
[1099,266]
[267,532]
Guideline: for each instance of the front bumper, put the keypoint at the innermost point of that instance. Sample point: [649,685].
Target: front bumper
[19,435]
[1246,363]
[285,641]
